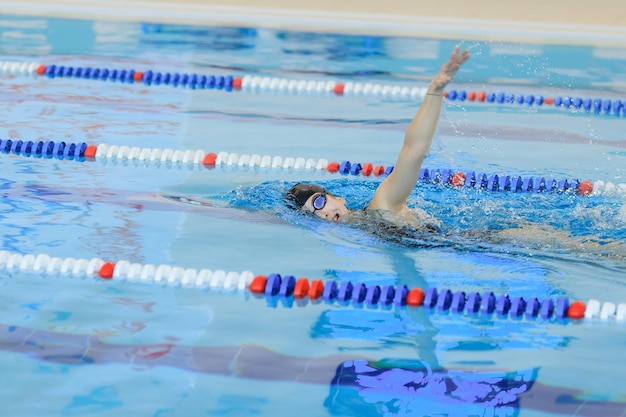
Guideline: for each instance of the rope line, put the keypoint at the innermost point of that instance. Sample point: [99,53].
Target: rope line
[287,288]
[247,83]
[171,159]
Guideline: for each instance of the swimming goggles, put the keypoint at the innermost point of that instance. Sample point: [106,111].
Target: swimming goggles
[319,201]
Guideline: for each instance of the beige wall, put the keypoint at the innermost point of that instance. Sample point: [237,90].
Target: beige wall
[557,21]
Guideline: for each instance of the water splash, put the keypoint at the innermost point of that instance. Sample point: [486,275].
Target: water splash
[549,225]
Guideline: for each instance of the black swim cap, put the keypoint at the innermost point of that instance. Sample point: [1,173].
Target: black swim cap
[297,195]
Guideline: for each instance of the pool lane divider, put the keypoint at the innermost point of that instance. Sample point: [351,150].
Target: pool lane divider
[307,87]
[178,159]
[287,289]
[44,149]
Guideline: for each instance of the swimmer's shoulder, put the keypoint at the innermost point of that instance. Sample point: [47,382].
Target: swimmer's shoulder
[406,219]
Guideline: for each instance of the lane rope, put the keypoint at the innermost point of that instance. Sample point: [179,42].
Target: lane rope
[248,83]
[172,159]
[288,289]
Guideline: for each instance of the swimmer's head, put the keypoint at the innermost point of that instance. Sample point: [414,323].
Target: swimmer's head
[298,195]
[315,199]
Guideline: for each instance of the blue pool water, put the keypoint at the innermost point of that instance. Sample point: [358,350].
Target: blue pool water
[84,346]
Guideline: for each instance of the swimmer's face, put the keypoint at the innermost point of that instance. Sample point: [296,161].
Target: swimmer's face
[327,206]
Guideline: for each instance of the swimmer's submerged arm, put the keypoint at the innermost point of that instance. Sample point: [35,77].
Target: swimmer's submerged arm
[393,192]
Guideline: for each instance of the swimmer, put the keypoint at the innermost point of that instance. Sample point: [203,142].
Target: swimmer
[390,198]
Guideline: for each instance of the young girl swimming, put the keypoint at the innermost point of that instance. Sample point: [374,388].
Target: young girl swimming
[390,198]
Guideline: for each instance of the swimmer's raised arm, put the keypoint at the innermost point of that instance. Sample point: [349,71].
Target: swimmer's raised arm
[393,192]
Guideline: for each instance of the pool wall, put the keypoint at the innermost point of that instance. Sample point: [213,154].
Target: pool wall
[557,21]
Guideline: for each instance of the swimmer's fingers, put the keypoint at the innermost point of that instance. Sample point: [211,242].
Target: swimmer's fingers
[455,61]
[450,68]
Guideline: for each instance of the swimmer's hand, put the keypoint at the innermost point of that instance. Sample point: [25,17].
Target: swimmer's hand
[449,69]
